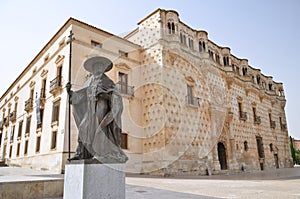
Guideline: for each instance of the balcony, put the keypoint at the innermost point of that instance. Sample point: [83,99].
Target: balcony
[272,124]
[55,85]
[257,119]
[13,116]
[28,105]
[283,127]
[243,115]
[193,101]
[125,89]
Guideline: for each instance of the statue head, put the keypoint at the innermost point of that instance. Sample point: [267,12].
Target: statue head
[97,65]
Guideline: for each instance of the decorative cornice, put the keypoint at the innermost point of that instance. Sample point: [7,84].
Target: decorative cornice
[122,66]
[32,83]
[59,59]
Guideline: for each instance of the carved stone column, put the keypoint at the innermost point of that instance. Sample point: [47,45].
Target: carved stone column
[233,164]
[216,163]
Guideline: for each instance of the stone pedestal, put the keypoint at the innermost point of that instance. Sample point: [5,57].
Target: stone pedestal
[87,180]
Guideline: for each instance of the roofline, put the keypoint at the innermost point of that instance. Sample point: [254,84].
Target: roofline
[155,11]
[65,26]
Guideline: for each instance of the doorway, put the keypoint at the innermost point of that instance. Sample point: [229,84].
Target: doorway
[222,156]
[260,150]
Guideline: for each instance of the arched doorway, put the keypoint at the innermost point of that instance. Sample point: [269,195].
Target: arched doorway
[222,156]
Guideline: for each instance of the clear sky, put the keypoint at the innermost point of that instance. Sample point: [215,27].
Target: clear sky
[266,32]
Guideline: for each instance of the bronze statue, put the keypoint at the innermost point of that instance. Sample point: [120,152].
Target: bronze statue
[97,110]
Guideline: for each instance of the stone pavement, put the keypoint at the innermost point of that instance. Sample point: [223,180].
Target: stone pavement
[279,183]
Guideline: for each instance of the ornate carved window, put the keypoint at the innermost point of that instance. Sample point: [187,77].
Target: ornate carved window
[226,61]
[242,114]
[211,54]
[191,44]
[171,28]
[256,118]
[272,123]
[202,47]
[244,70]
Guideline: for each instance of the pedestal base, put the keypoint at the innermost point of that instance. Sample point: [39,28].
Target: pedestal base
[85,180]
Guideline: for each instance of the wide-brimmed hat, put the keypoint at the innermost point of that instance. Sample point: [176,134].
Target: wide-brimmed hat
[99,62]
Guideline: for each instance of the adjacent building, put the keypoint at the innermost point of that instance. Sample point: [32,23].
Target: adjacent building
[190,106]
[296,144]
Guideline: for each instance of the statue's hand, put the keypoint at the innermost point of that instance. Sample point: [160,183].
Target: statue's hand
[68,88]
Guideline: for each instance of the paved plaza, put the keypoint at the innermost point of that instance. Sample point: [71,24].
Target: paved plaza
[279,183]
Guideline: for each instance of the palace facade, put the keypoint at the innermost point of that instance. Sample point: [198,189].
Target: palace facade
[190,106]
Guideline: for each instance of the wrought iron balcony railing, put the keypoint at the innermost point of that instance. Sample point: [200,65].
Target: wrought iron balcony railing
[257,119]
[243,115]
[55,84]
[28,104]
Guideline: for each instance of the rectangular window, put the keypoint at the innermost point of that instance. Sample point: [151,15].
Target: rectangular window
[240,107]
[12,133]
[122,53]
[123,81]
[242,114]
[53,140]
[16,107]
[28,123]
[31,94]
[254,112]
[0,139]
[20,128]
[43,89]
[40,121]
[96,44]
[190,96]
[38,144]
[18,149]
[191,44]
[10,151]
[59,75]
[189,92]
[211,54]
[26,148]
[55,111]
